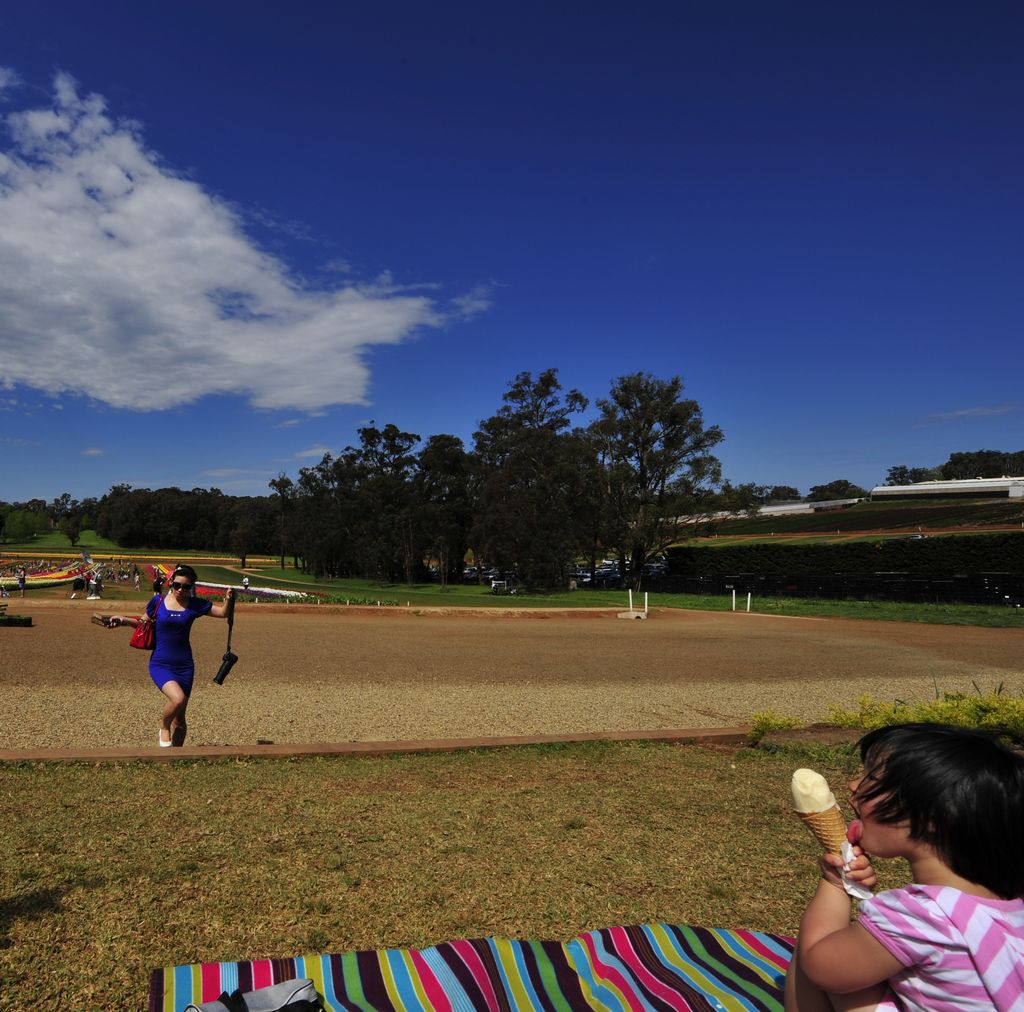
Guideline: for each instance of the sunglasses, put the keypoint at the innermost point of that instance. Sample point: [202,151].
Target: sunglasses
[181,586]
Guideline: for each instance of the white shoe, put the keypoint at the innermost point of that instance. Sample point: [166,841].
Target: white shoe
[163,744]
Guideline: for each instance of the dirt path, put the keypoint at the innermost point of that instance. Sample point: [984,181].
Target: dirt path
[311,674]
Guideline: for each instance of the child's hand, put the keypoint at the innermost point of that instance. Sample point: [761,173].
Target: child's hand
[860,870]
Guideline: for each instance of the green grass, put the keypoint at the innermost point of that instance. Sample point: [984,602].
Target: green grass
[831,538]
[471,595]
[992,616]
[110,871]
[56,545]
[54,541]
[430,595]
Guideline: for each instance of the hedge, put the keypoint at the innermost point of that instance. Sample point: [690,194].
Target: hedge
[926,557]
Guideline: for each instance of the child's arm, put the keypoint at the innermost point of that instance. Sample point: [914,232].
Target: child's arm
[835,954]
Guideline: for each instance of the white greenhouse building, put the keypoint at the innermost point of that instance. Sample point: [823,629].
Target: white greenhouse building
[968,488]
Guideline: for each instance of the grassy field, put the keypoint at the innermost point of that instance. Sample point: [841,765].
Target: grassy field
[110,871]
[56,545]
[957,516]
[266,572]
[430,595]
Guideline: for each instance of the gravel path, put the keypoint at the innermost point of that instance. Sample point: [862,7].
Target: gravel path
[315,674]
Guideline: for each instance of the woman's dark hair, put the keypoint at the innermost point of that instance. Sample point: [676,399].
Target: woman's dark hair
[183,570]
[960,791]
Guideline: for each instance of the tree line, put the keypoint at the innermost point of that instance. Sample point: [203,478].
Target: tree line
[960,465]
[534,493]
[966,464]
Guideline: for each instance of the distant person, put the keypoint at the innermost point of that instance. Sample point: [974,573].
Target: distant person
[137,581]
[245,583]
[158,583]
[951,802]
[171,665]
[22,577]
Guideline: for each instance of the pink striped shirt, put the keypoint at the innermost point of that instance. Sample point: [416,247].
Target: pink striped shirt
[960,952]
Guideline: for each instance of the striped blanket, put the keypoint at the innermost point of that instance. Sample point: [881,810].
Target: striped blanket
[652,966]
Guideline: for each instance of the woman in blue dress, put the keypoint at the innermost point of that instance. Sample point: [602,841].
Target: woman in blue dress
[171,665]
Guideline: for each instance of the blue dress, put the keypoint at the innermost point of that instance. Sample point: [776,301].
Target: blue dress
[171,660]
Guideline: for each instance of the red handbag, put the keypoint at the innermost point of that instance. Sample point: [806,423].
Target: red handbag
[144,634]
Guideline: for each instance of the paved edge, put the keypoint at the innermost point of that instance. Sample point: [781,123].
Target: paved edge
[715,735]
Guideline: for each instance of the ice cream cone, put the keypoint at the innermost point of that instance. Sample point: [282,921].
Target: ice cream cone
[828,827]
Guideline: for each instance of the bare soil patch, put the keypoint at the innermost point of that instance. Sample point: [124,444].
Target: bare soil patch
[313,674]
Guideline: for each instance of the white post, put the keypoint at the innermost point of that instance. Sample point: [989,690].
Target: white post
[733,598]
[748,600]
[645,602]
[631,599]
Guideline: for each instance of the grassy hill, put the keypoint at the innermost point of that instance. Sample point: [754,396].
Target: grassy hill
[935,516]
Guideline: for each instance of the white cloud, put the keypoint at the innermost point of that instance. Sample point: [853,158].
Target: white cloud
[989,411]
[8,79]
[474,302]
[93,451]
[124,281]
[314,451]
[238,472]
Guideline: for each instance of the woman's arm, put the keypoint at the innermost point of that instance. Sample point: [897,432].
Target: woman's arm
[223,610]
[835,954]
[119,620]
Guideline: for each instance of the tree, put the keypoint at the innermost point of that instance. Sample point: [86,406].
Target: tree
[903,475]
[444,502]
[71,528]
[389,522]
[24,524]
[245,533]
[327,513]
[285,489]
[63,506]
[982,464]
[838,489]
[745,498]
[750,497]
[658,454]
[530,480]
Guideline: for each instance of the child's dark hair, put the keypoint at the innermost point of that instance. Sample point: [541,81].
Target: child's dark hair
[960,791]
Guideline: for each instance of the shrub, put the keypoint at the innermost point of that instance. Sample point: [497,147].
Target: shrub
[769,720]
[993,710]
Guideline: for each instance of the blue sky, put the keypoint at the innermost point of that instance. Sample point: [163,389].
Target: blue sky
[231,234]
